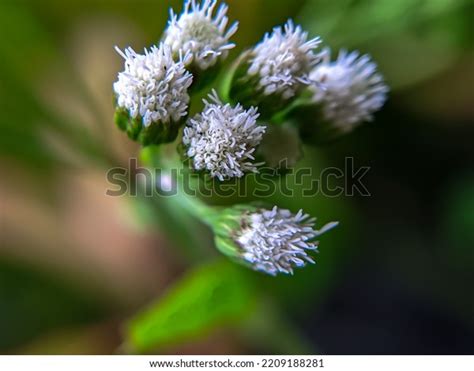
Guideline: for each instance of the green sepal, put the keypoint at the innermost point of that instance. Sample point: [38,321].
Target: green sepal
[121,118]
[134,128]
[155,133]
[225,226]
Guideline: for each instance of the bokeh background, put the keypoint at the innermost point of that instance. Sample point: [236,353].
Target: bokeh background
[76,265]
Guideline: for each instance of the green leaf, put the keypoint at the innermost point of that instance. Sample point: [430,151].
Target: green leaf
[217,294]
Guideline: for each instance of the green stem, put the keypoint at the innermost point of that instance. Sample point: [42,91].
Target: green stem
[195,207]
[153,157]
[181,211]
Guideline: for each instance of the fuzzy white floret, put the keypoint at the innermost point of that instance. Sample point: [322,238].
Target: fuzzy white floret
[349,89]
[275,241]
[283,60]
[223,138]
[197,31]
[152,85]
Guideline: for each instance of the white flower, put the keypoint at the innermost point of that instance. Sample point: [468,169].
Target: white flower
[153,86]
[283,60]
[197,32]
[350,89]
[276,240]
[223,138]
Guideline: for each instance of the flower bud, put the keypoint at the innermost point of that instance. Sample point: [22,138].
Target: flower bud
[151,95]
[204,36]
[271,241]
[345,94]
[222,139]
[275,71]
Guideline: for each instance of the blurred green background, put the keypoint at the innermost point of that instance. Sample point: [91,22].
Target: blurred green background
[77,266]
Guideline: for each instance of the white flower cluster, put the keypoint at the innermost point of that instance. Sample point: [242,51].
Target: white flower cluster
[196,31]
[153,86]
[223,138]
[349,89]
[283,60]
[275,241]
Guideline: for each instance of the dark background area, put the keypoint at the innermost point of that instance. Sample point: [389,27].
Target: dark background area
[408,291]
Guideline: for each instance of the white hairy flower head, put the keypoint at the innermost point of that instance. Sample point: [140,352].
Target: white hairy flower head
[349,89]
[283,60]
[222,139]
[276,241]
[153,86]
[200,33]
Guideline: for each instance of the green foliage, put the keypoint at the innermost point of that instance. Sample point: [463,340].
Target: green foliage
[213,295]
[25,54]
[426,36]
[32,302]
